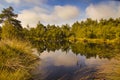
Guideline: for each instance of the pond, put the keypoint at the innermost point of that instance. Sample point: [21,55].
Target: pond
[72,61]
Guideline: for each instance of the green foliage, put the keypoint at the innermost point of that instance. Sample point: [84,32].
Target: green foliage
[40,30]
[8,15]
[104,29]
[95,49]
[11,27]
[9,31]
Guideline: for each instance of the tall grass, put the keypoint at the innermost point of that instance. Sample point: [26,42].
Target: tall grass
[16,60]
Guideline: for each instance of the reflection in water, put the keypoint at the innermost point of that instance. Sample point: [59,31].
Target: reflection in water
[66,66]
[59,58]
[76,61]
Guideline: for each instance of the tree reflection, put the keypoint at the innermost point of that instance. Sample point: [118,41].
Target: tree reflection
[87,49]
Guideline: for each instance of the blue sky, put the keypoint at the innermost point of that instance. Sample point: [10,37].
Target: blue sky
[62,11]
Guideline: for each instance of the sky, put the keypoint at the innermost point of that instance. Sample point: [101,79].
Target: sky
[60,12]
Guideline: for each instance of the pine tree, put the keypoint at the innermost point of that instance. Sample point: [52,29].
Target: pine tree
[8,15]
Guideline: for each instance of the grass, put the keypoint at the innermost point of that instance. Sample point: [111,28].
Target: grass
[16,60]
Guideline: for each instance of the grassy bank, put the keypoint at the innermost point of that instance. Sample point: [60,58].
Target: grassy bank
[94,40]
[16,60]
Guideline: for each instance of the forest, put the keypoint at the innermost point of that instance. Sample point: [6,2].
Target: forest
[16,41]
[104,29]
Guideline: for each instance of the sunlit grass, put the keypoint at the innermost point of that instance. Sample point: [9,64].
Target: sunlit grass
[16,75]
[16,60]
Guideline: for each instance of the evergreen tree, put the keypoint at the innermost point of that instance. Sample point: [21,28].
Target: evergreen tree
[8,15]
[11,27]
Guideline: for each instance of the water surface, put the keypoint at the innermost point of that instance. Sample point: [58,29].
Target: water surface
[75,62]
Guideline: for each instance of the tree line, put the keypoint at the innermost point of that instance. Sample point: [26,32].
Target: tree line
[88,29]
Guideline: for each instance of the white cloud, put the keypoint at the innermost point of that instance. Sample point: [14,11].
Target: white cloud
[35,1]
[60,59]
[59,15]
[66,12]
[13,1]
[26,1]
[103,10]
[28,17]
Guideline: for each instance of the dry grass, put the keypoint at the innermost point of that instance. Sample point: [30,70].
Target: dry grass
[16,60]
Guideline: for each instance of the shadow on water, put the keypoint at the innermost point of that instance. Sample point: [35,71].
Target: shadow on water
[72,61]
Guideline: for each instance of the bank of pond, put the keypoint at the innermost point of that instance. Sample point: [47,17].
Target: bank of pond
[16,60]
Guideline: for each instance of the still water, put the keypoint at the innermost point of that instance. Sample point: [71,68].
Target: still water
[77,62]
